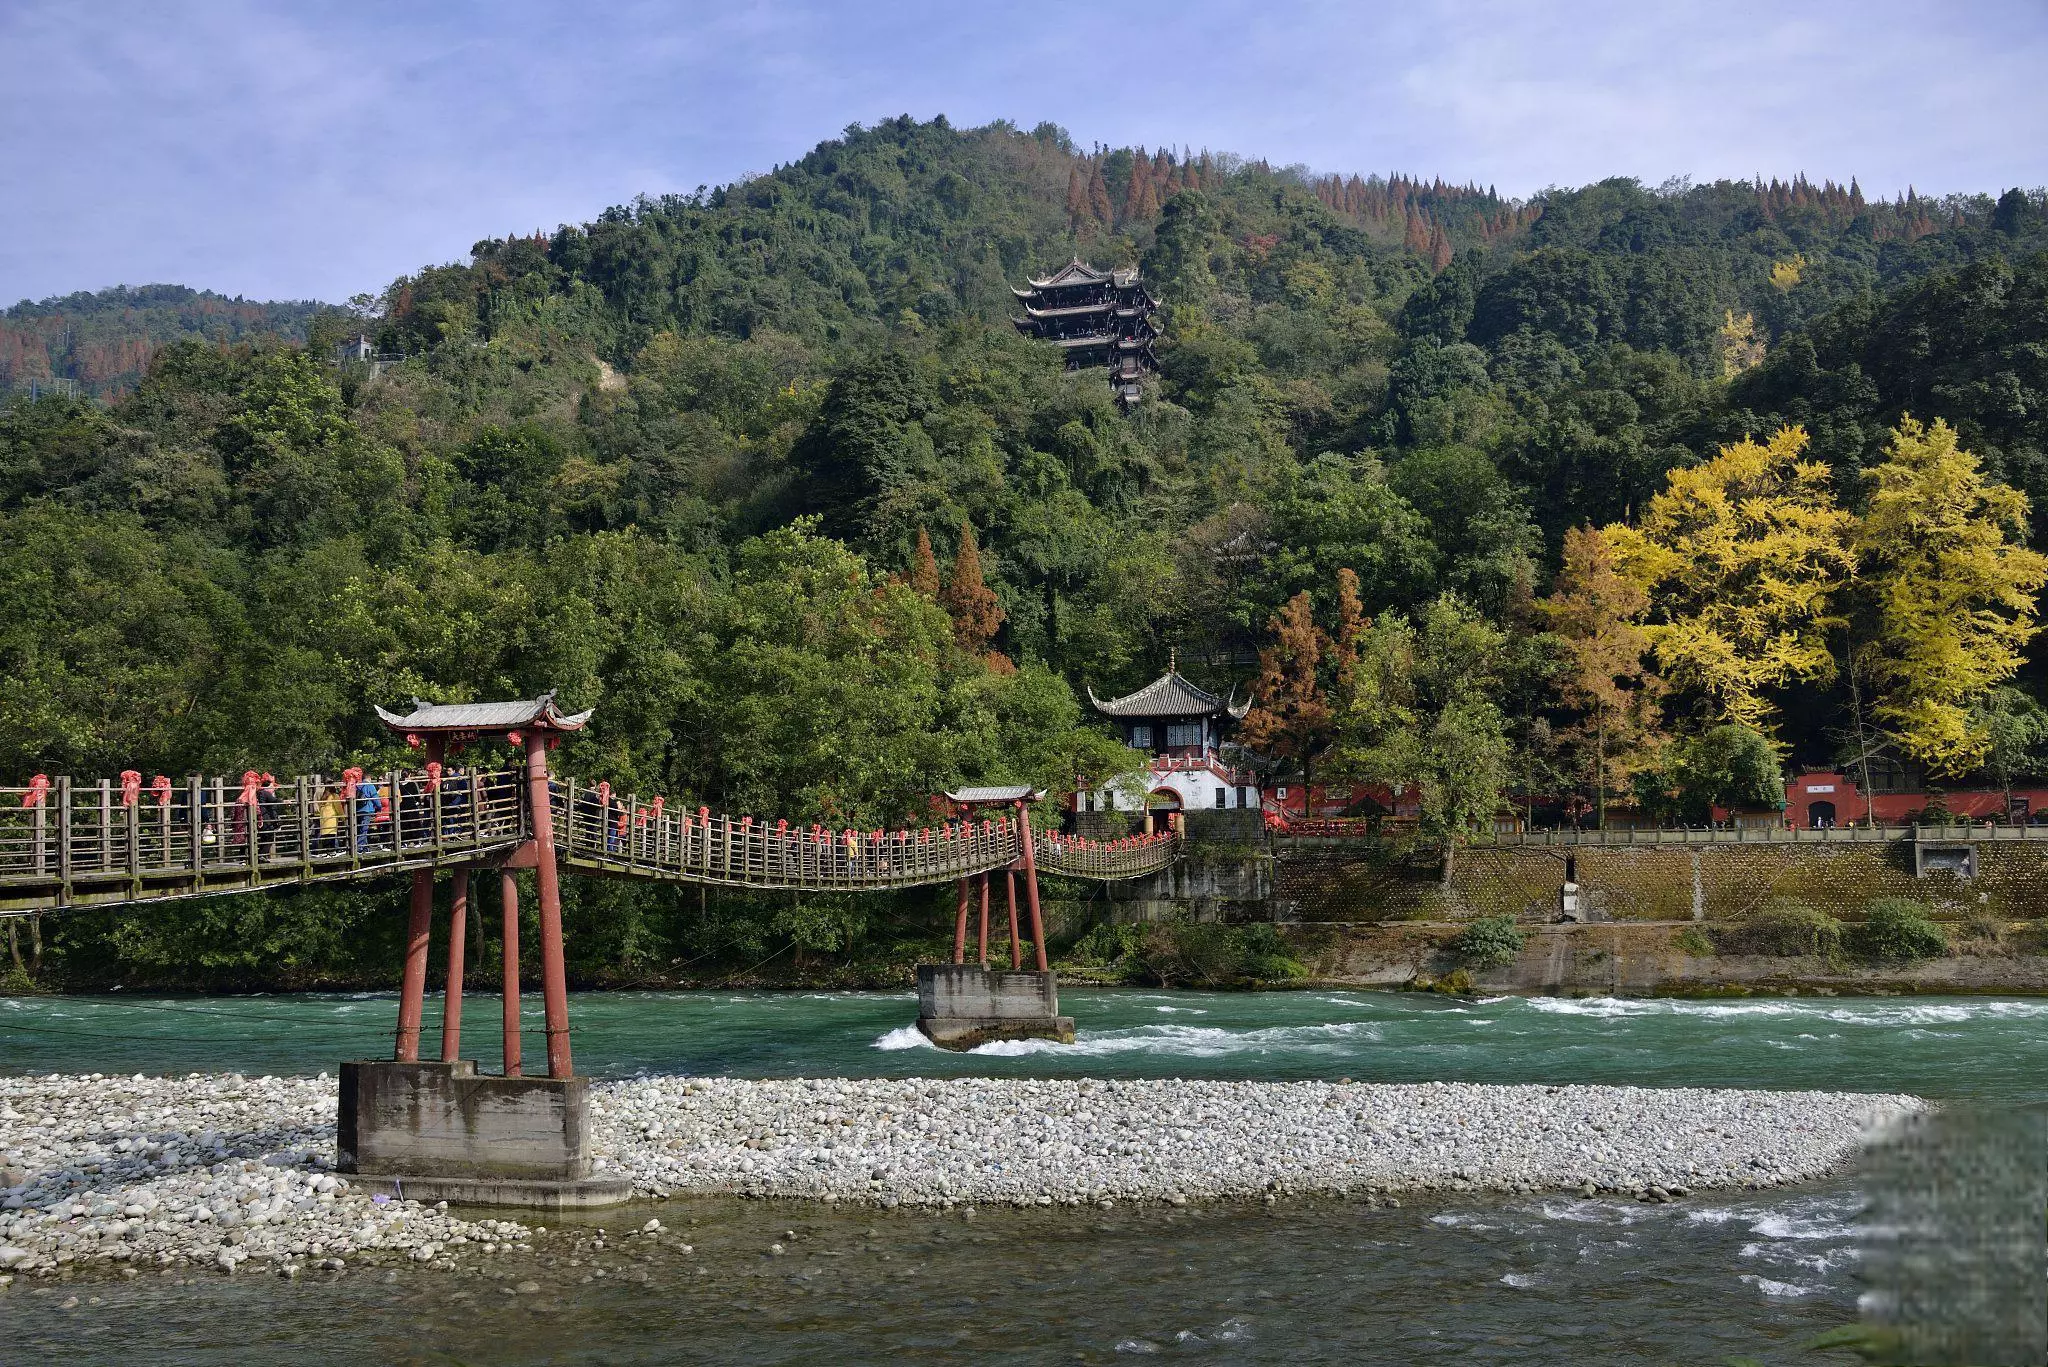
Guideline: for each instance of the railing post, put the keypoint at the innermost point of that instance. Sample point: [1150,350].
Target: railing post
[64,840]
[135,848]
[106,826]
[308,785]
[252,827]
[195,827]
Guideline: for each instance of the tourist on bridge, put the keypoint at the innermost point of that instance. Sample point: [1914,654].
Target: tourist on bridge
[329,813]
[370,807]
[455,788]
[269,807]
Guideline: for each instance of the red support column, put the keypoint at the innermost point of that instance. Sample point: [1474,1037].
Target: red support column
[1016,944]
[412,987]
[984,920]
[554,976]
[451,1004]
[508,889]
[1031,884]
[960,927]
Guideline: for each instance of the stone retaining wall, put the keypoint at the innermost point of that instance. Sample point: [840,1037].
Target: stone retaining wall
[1625,959]
[1355,882]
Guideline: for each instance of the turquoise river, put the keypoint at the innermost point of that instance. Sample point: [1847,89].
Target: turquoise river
[1946,1224]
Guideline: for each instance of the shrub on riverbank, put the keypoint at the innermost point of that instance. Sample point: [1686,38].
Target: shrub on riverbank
[1489,942]
[1784,928]
[1897,929]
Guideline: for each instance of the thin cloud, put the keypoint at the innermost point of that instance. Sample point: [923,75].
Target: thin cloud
[288,151]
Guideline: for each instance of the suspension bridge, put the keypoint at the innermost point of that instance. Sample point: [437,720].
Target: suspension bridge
[66,844]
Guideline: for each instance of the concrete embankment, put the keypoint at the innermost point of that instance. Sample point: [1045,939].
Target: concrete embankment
[1373,912]
[1634,959]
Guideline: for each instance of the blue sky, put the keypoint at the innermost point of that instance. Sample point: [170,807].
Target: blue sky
[313,149]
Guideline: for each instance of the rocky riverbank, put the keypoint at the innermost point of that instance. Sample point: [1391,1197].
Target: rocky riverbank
[133,1175]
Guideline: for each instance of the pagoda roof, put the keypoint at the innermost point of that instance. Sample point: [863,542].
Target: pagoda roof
[478,717]
[1077,272]
[1100,339]
[1169,695]
[1071,310]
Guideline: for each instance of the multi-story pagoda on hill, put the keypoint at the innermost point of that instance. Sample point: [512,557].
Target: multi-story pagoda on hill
[1099,318]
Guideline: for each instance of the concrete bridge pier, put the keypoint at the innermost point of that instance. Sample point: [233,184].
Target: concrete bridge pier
[441,1130]
[960,1005]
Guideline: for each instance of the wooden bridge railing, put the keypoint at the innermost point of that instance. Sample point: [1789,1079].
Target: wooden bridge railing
[65,843]
[599,832]
[1131,857]
[71,844]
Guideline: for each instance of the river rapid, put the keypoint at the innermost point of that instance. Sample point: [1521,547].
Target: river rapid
[1940,1229]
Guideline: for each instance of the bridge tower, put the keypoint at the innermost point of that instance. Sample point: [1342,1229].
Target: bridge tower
[440,1128]
[962,1005]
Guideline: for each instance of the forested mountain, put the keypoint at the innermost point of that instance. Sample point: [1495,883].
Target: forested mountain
[678,462]
[103,342]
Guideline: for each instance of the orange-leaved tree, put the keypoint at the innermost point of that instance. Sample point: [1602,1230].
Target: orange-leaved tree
[1304,678]
[971,603]
[924,568]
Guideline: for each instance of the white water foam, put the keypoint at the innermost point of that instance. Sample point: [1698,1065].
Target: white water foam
[1521,1281]
[904,1037]
[1873,1013]
[1784,1291]
[1194,1041]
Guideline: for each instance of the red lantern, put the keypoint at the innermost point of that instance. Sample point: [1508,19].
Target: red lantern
[38,789]
[131,787]
[161,786]
[433,776]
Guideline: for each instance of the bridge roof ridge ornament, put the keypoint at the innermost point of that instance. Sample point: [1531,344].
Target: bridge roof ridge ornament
[478,718]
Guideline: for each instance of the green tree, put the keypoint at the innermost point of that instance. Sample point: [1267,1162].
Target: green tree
[2015,731]
[1597,613]
[1423,718]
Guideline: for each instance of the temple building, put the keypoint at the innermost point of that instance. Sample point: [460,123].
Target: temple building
[1099,318]
[1180,725]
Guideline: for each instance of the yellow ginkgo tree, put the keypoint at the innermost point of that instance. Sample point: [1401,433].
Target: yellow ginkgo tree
[1950,592]
[1742,556]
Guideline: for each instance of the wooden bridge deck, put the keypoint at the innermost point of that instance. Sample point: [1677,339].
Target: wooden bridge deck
[93,844]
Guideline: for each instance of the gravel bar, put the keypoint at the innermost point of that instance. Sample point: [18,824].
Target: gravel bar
[121,1175]
[928,1142]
